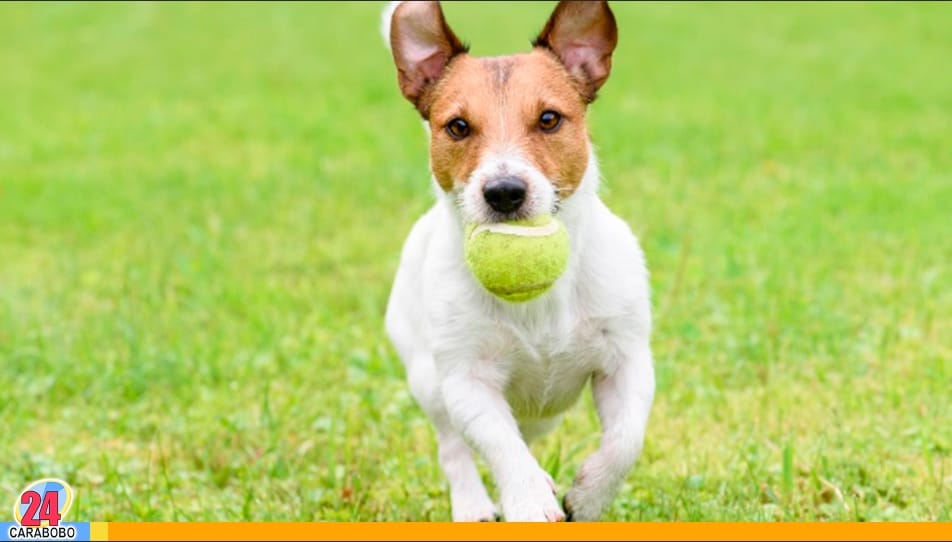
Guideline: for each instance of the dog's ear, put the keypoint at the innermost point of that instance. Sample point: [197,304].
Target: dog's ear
[422,45]
[582,33]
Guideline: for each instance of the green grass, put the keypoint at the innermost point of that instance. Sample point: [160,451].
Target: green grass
[202,207]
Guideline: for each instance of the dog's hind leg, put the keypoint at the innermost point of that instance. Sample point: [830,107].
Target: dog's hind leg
[468,496]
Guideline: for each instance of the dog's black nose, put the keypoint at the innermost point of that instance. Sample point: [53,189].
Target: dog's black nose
[505,194]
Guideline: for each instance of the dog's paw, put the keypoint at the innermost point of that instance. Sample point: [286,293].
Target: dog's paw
[532,498]
[469,515]
[591,494]
[580,507]
[473,508]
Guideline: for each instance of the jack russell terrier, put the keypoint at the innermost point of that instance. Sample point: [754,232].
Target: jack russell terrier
[508,140]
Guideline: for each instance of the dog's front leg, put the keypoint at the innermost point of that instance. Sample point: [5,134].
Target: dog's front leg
[623,399]
[479,411]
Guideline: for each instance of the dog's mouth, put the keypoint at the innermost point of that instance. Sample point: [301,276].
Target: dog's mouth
[491,216]
[494,217]
[520,214]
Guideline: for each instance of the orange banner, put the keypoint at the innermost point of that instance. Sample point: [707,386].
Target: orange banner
[526,531]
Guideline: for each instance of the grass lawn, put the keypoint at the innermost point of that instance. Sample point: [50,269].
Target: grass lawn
[202,207]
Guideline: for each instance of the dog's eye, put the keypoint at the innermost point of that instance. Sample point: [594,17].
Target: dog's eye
[549,121]
[457,128]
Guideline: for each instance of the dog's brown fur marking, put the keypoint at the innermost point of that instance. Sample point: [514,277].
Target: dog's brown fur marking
[501,98]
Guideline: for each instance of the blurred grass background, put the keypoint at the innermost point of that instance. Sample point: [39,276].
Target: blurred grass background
[202,207]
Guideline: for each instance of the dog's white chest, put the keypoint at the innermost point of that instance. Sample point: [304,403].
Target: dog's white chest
[541,353]
[548,366]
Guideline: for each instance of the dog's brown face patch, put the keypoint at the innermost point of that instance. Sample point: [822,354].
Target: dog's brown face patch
[502,101]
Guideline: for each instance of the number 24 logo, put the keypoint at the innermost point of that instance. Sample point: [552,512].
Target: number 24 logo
[40,508]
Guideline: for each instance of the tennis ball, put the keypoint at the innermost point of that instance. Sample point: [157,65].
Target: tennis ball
[517,260]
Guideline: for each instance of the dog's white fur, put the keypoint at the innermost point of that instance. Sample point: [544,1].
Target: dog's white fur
[493,375]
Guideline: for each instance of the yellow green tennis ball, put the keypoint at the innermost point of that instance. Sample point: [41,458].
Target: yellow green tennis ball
[517,260]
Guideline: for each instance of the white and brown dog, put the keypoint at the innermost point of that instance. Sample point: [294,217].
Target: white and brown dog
[508,139]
